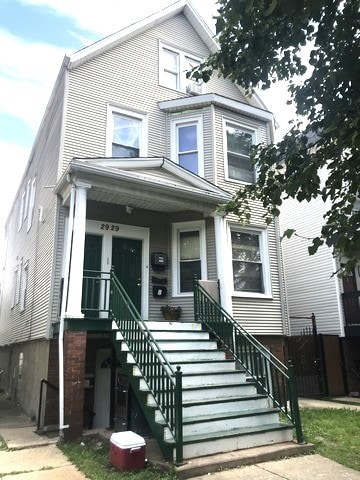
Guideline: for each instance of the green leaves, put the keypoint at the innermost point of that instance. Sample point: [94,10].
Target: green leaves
[260,42]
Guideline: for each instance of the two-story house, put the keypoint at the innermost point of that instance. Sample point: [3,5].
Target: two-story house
[115,216]
[313,287]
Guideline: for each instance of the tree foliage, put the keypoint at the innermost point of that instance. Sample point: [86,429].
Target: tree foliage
[262,41]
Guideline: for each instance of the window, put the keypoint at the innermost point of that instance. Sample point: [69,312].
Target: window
[187,143]
[27,205]
[23,285]
[173,65]
[238,142]
[189,256]
[16,285]
[31,204]
[126,134]
[249,261]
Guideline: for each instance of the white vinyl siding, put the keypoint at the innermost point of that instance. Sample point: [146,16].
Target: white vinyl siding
[310,283]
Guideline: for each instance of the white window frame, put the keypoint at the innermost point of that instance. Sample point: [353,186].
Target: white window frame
[21,209]
[264,256]
[23,285]
[183,83]
[111,109]
[188,120]
[248,129]
[31,204]
[177,228]
[16,284]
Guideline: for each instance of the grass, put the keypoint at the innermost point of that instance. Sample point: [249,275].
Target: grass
[91,456]
[335,433]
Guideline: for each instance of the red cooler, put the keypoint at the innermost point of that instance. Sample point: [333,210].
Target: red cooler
[127,451]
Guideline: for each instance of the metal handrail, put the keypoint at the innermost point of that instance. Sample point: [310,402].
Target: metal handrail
[272,377]
[163,382]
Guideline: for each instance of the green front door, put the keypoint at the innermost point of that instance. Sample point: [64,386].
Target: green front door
[127,263]
[92,269]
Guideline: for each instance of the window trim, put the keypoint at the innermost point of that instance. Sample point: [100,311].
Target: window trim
[31,204]
[111,109]
[179,121]
[241,126]
[23,285]
[177,228]
[265,260]
[182,81]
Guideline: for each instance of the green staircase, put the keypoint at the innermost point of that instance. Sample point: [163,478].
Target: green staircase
[206,386]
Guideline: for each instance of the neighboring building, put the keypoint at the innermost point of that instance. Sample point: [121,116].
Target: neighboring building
[312,287]
[127,171]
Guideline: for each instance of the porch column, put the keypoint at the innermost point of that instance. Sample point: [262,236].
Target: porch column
[73,309]
[223,252]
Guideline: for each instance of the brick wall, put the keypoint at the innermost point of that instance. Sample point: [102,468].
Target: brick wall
[74,373]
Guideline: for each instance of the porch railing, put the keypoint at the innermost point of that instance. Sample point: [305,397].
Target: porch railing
[164,383]
[96,293]
[351,303]
[273,378]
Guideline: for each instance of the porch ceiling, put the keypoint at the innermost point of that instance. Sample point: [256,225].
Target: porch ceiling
[155,184]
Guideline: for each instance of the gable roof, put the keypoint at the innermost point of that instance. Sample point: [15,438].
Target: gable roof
[125,34]
[154,183]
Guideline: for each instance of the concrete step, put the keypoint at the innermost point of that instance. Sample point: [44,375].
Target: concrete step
[180,335]
[198,366]
[223,405]
[165,325]
[213,378]
[235,439]
[177,356]
[193,344]
[214,392]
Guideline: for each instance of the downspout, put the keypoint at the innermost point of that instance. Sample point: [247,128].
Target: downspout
[282,287]
[64,307]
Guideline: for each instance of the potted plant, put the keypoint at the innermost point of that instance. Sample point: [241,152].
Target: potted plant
[171,312]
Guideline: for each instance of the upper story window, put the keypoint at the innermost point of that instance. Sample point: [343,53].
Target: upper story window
[27,202]
[173,65]
[187,143]
[127,134]
[238,142]
[250,261]
[189,256]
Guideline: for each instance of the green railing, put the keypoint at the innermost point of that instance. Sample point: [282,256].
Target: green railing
[272,377]
[163,382]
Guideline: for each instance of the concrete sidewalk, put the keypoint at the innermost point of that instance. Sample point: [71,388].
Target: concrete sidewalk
[36,457]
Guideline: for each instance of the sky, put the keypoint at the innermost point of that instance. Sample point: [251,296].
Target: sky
[34,37]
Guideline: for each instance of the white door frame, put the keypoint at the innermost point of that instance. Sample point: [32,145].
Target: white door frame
[108,230]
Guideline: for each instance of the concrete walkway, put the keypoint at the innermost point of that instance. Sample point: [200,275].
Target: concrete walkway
[34,457]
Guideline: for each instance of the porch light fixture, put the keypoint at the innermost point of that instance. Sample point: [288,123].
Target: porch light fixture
[128,209]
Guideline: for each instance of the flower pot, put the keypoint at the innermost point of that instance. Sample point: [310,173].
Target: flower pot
[171,316]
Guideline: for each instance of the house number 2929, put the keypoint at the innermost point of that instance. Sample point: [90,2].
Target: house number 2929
[107,226]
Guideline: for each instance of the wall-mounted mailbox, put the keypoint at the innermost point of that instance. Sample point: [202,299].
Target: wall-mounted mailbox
[159,261]
[159,291]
